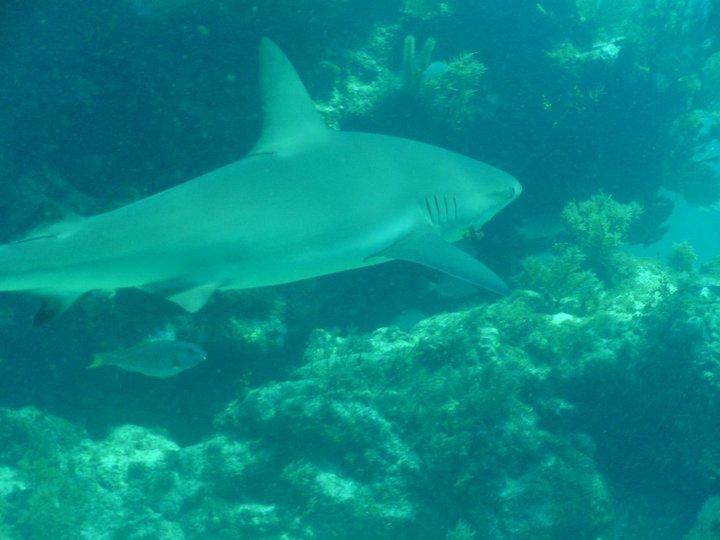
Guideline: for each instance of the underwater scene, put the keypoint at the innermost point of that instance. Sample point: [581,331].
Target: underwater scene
[360,269]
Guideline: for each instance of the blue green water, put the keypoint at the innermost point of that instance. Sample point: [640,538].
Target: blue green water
[390,401]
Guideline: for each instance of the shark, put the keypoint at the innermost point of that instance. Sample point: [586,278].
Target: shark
[306,201]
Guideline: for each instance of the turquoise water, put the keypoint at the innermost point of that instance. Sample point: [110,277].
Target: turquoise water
[391,401]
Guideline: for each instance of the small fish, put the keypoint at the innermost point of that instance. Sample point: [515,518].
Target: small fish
[161,358]
[434,71]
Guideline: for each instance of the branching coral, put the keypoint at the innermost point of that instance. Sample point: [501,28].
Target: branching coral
[414,65]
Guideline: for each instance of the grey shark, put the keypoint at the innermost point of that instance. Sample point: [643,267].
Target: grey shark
[306,201]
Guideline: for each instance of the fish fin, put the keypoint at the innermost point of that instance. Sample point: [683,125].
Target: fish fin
[429,249]
[99,360]
[193,300]
[57,221]
[52,306]
[290,118]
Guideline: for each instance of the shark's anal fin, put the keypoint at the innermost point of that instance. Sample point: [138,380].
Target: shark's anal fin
[193,300]
[427,248]
[51,306]
[290,118]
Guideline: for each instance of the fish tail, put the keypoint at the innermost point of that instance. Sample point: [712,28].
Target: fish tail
[99,360]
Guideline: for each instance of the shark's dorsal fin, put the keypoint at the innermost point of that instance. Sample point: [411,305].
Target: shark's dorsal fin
[290,118]
[427,248]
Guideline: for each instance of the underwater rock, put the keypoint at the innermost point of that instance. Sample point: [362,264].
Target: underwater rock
[70,483]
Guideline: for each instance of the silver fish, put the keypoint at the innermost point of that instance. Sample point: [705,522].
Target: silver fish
[161,358]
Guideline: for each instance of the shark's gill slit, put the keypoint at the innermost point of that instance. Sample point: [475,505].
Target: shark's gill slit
[429,210]
[447,209]
[437,208]
[455,208]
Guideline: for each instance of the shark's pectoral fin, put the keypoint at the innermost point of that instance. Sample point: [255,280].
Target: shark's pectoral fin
[427,248]
[53,305]
[193,300]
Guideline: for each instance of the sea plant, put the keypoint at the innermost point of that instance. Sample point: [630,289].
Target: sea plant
[682,257]
[563,282]
[453,96]
[598,226]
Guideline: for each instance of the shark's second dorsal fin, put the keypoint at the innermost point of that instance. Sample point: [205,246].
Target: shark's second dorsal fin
[53,305]
[290,118]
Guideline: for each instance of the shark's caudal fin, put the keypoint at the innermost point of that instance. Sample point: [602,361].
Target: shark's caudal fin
[429,249]
[289,115]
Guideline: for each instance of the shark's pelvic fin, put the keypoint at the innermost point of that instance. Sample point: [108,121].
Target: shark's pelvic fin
[289,115]
[427,248]
[193,300]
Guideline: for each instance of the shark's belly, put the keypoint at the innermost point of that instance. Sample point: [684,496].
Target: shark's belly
[286,268]
[309,259]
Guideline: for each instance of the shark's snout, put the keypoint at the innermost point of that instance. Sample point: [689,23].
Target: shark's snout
[507,194]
